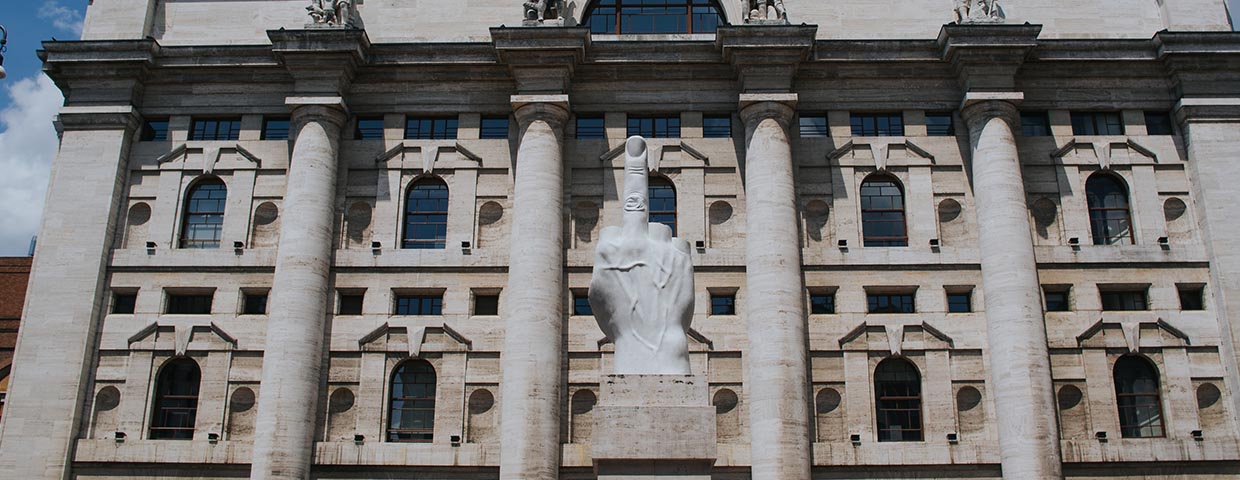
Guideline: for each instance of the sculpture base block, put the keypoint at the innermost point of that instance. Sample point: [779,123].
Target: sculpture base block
[648,426]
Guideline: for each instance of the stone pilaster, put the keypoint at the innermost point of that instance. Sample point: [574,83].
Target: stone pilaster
[284,432]
[777,362]
[533,329]
[1016,332]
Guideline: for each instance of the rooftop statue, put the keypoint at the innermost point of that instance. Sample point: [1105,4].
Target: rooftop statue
[765,11]
[642,288]
[330,12]
[978,11]
[539,11]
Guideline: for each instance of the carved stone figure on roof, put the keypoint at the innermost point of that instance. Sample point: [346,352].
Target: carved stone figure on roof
[978,11]
[765,11]
[538,12]
[337,13]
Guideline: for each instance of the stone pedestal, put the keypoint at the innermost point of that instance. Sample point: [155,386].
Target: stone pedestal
[654,426]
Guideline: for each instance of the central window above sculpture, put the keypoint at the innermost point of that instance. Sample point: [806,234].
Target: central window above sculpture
[626,17]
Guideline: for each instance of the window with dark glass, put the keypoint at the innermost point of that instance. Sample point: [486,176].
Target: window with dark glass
[417,128]
[1124,300]
[959,302]
[1192,297]
[1035,124]
[663,202]
[1097,123]
[897,394]
[940,124]
[666,126]
[652,16]
[254,303]
[590,126]
[215,129]
[821,303]
[877,124]
[203,221]
[412,407]
[486,304]
[351,303]
[154,131]
[176,400]
[1137,398]
[189,303]
[1056,298]
[581,304]
[275,128]
[368,128]
[494,127]
[1110,220]
[890,303]
[421,304]
[426,215]
[717,126]
[124,302]
[882,213]
[1158,123]
[723,304]
[812,126]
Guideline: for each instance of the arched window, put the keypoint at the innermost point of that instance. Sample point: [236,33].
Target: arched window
[411,414]
[204,214]
[663,202]
[897,393]
[176,400]
[1109,217]
[1136,395]
[882,213]
[653,16]
[426,214]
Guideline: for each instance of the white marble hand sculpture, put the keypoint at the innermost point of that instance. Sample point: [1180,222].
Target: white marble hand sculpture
[642,288]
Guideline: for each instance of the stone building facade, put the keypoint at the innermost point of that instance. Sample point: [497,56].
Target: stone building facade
[984,240]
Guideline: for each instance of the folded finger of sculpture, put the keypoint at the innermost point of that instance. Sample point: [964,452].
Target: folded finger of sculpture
[642,289]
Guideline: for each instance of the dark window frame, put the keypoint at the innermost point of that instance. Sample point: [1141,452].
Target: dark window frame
[653,126]
[1097,123]
[486,304]
[431,128]
[813,125]
[494,131]
[200,215]
[1159,123]
[1124,299]
[175,410]
[275,132]
[124,303]
[421,403]
[189,303]
[662,201]
[426,215]
[616,17]
[368,128]
[584,127]
[723,303]
[954,305]
[581,304]
[1035,124]
[1066,291]
[254,302]
[872,217]
[417,304]
[347,300]
[1135,400]
[215,129]
[898,397]
[1192,297]
[938,129]
[154,130]
[822,303]
[876,124]
[1110,207]
[722,127]
[891,303]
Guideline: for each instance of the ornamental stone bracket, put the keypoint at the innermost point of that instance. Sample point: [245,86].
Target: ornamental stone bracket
[868,333]
[541,60]
[432,153]
[322,61]
[880,149]
[1103,333]
[986,57]
[183,333]
[211,154]
[1104,151]
[659,151]
[100,73]
[419,336]
[766,57]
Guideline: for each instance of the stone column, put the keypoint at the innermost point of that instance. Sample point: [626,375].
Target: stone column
[288,398]
[534,327]
[777,361]
[1016,332]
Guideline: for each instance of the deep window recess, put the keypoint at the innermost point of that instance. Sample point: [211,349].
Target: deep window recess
[959,302]
[723,304]
[494,127]
[154,131]
[882,213]
[581,304]
[176,401]
[351,303]
[1097,123]
[189,304]
[430,128]
[204,214]
[652,16]
[411,413]
[1192,297]
[426,215]
[654,126]
[821,303]
[663,202]
[1122,300]
[486,304]
[811,126]
[1035,124]
[939,124]
[1056,298]
[890,303]
[877,124]
[1158,123]
[419,305]
[275,128]
[123,303]
[215,129]
[897,392]
[254,303]
[368,128]
[1110,220]
[1137,398]
[717,126]
[590,127]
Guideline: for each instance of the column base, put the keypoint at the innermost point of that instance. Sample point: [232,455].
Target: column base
[649,426]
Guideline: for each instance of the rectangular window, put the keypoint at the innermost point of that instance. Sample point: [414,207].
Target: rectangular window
[215,129]
[889,303]
[581,304]
[717,126]
[1035,124]
[189,304]
[959,302]
[1158,123]
[275,128]
[1056,298]
[254,303]
[590,126]
[811,126]
[425,128]
[1124,300]
[1097,123]
[494,127]
[723,304]
[123,303]
[486,304]
[419,305]
[154,131]
[350,303]
[821,303]
[666,126]
[940,124]
[368,128]
[877,124]
[1192,297]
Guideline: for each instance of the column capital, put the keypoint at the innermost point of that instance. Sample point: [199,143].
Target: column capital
[322,61]
[322,109]
[552,109]
[756,107]
[979,107]
[987,56]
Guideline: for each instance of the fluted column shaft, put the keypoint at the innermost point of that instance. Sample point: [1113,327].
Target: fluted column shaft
[533,324]
[1016,332]
[777,387]
[288,396]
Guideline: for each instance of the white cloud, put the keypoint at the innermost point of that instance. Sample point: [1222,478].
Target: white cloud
[62,17]
[28,144]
